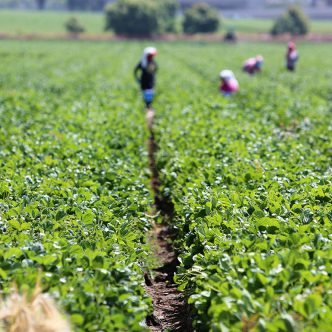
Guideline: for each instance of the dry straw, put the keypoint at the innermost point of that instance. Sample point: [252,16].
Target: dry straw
[37,313]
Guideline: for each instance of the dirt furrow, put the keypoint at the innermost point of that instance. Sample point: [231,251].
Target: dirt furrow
[171,311]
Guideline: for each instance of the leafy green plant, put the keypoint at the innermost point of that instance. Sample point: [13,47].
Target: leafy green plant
[249,176]
[167,15]
[141,18]
[74,183]
[132,17]
[251,183]
[293,21]
[201,18]
[74,26]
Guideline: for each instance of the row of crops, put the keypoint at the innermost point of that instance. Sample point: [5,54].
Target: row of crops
[250,178]
[74,182]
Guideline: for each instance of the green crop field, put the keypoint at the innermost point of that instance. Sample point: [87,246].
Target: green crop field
[74,183]
[21,22]
[250,178]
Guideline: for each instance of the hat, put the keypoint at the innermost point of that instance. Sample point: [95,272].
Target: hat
[226,74]
[150,51]
[291,45]
[147,51]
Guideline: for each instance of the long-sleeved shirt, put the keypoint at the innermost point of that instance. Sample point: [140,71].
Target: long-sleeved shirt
[250,66]
[291,58]
[230,86]
[147,78]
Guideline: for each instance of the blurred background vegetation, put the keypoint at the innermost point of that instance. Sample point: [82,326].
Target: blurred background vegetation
[19,17]
[98,5]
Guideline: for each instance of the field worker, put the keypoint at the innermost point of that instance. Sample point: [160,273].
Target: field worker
[147,76]
[253,65]
[291,56]
[229,84]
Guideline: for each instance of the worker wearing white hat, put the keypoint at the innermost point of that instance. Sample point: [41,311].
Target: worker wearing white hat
[229,84]
[147,78]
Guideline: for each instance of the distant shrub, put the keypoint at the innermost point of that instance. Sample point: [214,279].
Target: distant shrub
[293,21]
[167,15]
[74,26]
[201,18]
[141,17]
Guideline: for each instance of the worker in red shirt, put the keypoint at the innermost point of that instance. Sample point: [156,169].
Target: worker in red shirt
[229,84]
[253,65]
[291,56]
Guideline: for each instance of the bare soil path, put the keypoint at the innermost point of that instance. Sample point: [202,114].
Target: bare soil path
[171,311]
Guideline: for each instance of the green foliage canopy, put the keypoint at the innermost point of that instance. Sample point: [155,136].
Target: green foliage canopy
[141,17]
[167,14]
[293,21]
[201,18]
[73,25]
